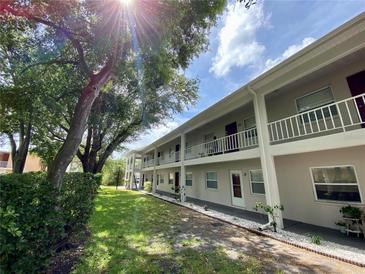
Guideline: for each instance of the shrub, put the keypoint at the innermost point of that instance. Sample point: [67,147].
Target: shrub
[77,198]
[113,173]
[30,225]
[148,186]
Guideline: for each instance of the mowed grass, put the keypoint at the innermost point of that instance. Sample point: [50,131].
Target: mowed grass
[136,233]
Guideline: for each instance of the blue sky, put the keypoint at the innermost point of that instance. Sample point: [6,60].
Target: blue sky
[244,43]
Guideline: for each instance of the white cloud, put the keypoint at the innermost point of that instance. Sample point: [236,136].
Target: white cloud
[238,45]
[288,52]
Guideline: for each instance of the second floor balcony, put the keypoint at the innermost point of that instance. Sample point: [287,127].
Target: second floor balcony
[340,116]
[170,158]
[231,143]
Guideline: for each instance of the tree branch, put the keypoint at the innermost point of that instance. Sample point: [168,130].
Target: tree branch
[66,32]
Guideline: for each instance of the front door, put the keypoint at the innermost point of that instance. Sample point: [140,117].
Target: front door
[237,188]
[231,141]
[356,84]
[177,181]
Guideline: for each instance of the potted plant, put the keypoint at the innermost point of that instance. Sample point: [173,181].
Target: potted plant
[351,212]
[341,226]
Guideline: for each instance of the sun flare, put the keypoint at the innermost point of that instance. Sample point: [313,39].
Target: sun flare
[126,2]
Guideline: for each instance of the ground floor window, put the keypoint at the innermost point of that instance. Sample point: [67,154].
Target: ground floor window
[257,182]
[161,180]
[171,178]
[211,179]
[189,179]
[338,183]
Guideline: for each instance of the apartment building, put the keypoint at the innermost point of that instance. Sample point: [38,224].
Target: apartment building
[32,163]
[294,136]
[132,168]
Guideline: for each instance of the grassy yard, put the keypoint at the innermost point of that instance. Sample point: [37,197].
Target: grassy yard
[135,233]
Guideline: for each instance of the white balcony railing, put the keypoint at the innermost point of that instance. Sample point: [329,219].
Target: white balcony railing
[3,164]
[171,158]
[148,163]
[231,143]
[343,115]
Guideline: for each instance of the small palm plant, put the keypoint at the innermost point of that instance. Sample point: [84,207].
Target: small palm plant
[271,210]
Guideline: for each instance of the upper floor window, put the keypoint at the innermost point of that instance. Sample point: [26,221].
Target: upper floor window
[189,179]
[211,178]
[315,100]
[338,183]
[249,123]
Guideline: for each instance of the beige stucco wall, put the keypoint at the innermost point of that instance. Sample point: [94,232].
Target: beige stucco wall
[223,194]
[296,187]
[165,174]
[335,79]
[217,127]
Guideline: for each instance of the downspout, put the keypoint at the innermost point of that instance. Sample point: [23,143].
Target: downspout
[261,144]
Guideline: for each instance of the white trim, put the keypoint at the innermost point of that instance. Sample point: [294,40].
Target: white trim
[206,180]
[257,182]
[333,201]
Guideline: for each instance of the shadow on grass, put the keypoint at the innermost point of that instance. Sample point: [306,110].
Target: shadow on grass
[134,233]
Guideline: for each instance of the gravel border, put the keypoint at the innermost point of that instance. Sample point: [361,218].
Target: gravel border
[340,252]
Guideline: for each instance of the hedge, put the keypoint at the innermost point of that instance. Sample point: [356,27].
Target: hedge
[34,217]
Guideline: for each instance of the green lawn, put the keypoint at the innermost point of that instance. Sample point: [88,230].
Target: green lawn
[136,233]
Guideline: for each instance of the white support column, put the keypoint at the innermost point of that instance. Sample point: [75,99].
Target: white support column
[154,185]
[267,160]
[131,179]
[183,173]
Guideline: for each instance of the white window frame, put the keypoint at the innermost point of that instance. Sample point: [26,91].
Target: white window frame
[249,117]
[333,201]
[161,178]
[190,173]
[312,92]
[263,182]
[206,180]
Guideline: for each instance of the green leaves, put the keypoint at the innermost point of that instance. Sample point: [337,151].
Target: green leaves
[30,225]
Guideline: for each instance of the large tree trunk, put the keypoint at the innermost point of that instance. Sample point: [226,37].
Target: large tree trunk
[77,126]
[19,154]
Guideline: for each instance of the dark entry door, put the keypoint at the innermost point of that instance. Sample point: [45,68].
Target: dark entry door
[356,84]
[177,155]
[177,181]
[231,141]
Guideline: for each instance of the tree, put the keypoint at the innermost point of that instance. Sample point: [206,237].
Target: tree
[116,117]
[17,96]
[97,35]
[27,100]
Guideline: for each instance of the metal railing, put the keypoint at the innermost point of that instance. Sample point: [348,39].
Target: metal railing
[231,143]
[171,158]
[343,115]
[3,164]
